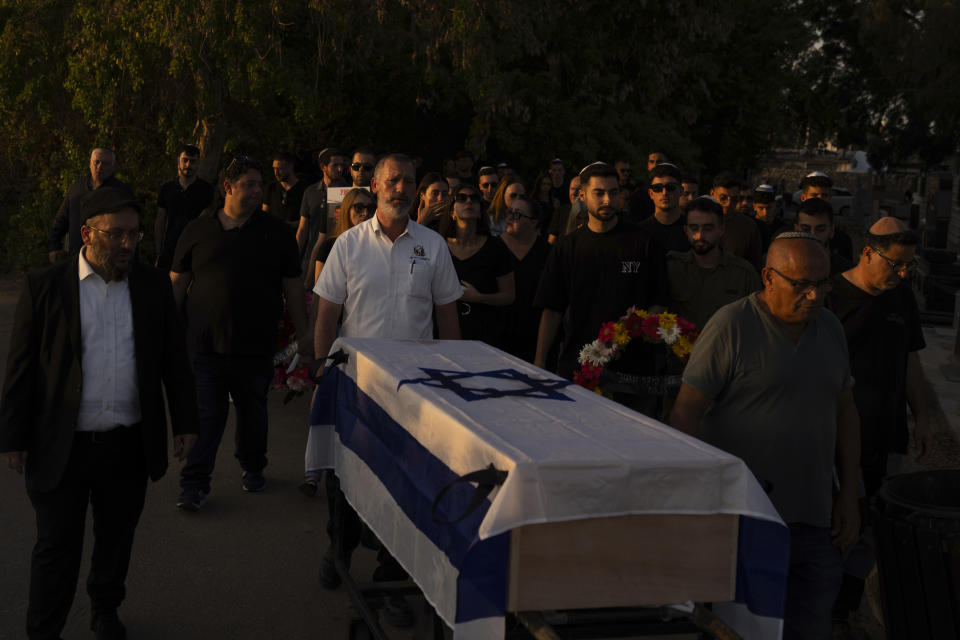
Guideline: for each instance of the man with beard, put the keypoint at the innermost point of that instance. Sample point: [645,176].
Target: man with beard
[67,222]
[706,277]
[96,343]
[596,273]
[690,189]
[666,224]
[741,236]
[361,167]
[769,381]
[179,202]
[312,230]
[765,214]
[283,197]
[387,276]
[565,218]
[230,268]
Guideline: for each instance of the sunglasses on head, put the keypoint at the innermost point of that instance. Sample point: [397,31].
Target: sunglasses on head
[468,197]
[366,166]
[660,187]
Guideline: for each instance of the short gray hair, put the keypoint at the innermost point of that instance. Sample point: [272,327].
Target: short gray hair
[396,157]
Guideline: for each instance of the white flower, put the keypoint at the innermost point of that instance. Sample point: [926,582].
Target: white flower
[596,353]
[669,335]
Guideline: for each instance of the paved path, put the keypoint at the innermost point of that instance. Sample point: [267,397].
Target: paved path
[245,567]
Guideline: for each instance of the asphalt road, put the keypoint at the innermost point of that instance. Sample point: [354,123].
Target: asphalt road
[245,567]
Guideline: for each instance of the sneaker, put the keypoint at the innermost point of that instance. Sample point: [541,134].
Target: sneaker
[397,612]
[191,499]
[253,481]
[309,486]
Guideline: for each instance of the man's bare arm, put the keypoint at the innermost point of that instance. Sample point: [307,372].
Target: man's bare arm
[688,410]
[919,406]
[448,323]
[303,233]
[180,282]
[297,306]
[325,331]
[549,325]
[845,527]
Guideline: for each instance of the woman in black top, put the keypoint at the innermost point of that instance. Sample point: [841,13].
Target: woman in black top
[432,199]
[529,250]
[483,265]
[357,206]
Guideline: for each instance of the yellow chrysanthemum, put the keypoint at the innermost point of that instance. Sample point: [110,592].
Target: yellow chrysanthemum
[620,335]
[682,347]
[667,320]
[640,313]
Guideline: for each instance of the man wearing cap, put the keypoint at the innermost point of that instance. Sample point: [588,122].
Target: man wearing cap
[769,381]
[741,236]
[764,213]
[231,272]
[666,223]
[103,164]
[881,321]
[96,343]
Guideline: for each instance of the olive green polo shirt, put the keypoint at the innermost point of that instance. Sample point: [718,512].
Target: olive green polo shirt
[696,293]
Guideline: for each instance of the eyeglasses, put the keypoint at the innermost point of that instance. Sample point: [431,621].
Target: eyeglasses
[120,236]
[897,265]
[366,166]
[360,207]
[803,287]
[467,197]
[516,214]
[660,187]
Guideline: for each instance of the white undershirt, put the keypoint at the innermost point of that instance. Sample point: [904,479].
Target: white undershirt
[109,394]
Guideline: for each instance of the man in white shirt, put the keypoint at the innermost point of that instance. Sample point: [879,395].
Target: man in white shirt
[96,341]
[386,275]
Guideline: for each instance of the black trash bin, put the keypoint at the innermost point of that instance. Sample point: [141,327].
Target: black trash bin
[916,520]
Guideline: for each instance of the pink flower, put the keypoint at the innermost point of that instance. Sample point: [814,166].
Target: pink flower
[607,331]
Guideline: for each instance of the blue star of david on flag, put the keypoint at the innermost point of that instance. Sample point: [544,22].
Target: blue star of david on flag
[450,380]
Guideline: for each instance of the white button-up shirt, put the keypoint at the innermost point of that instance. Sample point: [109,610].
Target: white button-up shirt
[109,395]
[388,289]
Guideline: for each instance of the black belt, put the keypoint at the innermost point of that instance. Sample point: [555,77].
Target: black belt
[118,432]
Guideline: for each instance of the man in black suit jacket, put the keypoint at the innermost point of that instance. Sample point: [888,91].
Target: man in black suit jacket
[95,342]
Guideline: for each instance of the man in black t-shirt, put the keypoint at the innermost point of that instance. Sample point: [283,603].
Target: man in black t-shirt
[666,223]
[284,196]
[882,327]
[179,202]
[238,264]
[815,216]
[596,273]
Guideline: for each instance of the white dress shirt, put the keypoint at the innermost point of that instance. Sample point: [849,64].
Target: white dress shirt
[388,289]
[109,395]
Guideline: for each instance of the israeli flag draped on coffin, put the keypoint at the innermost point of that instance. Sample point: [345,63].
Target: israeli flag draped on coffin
[601,506]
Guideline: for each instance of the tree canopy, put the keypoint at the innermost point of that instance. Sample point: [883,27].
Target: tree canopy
[714,85]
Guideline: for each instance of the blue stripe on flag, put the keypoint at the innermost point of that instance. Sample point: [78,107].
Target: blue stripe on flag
[413,476]
[763,558]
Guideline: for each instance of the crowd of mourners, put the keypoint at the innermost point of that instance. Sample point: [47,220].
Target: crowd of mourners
[805,366]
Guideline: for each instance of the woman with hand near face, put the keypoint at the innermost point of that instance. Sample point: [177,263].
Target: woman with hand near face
[432,200]
[528,250]
[483,264]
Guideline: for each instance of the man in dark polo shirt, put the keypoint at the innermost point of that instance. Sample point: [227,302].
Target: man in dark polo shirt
[179,202]
[232,268]
[67,222]
[596,273]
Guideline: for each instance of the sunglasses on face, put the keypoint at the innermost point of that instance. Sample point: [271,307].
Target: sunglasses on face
[468,197]
[356,166]
[360,207]
[669,187]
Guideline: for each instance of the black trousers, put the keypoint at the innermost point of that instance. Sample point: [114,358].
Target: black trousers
[108,472]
